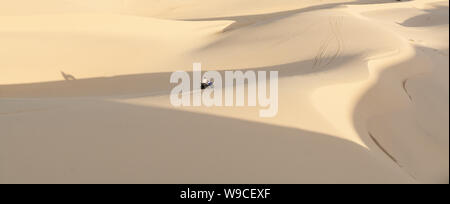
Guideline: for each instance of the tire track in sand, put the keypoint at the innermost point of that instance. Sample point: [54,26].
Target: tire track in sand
[336,39]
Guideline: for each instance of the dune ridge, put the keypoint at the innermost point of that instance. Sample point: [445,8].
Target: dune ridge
[363,92]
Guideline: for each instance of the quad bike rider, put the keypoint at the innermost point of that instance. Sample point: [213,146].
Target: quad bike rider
[206,83]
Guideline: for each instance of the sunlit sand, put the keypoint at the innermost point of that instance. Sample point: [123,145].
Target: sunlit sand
[363,91]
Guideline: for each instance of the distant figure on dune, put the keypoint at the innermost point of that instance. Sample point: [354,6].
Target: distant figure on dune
[68,77]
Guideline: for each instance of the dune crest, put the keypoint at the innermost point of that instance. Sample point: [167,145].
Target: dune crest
[363,91]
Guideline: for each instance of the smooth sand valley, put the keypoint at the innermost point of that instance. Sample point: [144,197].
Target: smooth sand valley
[363,91]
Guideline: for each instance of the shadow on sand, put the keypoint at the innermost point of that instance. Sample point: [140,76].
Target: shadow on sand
[385,120]
[434,17]
[150,84]
[112,142]
[242,21]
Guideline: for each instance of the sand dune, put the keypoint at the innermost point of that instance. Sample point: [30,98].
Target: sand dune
[363,91]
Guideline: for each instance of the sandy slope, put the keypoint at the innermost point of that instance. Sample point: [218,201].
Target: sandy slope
[363,91]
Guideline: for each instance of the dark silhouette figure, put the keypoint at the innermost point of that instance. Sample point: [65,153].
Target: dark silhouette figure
[68,77]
